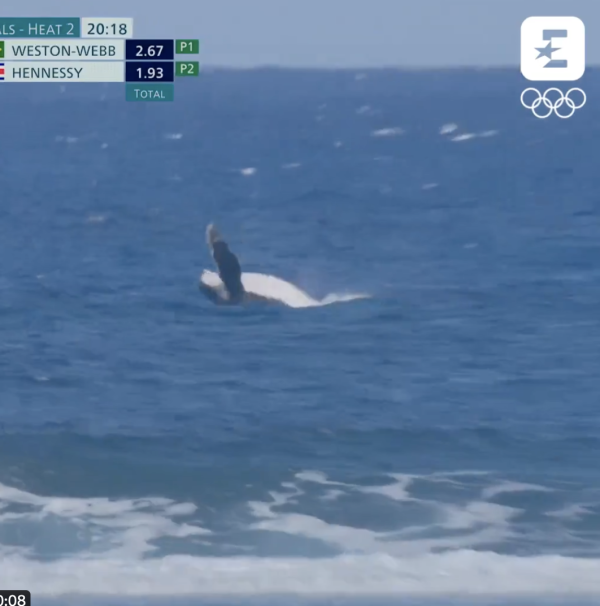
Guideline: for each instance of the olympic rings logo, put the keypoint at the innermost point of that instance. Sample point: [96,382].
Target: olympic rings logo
[553,106]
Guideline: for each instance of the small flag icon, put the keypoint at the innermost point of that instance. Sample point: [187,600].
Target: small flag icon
[1,71]
[1,49]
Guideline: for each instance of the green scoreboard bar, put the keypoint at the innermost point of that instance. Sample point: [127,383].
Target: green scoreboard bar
[187,68]
[66,27]
[40,27]
[149,92]
[187,47]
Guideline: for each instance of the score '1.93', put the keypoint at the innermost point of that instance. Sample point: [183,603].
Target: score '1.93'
[149,71]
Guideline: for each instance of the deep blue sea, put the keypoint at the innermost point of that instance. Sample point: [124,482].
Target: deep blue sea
[436,442]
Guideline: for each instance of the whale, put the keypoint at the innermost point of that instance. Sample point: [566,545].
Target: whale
[230,286]
[258,288]
[231,290]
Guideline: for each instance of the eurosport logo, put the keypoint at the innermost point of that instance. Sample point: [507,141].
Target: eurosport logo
[563,105]
[553,49]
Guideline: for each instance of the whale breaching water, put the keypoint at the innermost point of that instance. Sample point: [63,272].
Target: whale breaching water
[231,291]
[231,286]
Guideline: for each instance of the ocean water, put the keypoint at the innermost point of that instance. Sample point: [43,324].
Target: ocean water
[435,442]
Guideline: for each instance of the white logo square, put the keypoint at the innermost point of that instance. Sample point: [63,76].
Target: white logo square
[552,48]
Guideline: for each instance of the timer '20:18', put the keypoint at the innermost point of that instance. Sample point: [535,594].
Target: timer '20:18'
[99,29]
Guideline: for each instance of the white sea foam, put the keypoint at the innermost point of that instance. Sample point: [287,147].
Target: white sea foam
[367,110]
[482,522]
[398,490]
[574,511]
[332,495]
[464,572]
[174,136]
[504,487]
[247,172]
[395,131]
[116,553]
[317,477]
[66,139]
[464,137]
[446,129]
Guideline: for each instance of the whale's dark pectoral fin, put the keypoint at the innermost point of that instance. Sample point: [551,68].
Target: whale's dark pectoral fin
[228,265]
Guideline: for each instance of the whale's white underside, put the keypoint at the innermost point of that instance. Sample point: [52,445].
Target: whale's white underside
[267,289]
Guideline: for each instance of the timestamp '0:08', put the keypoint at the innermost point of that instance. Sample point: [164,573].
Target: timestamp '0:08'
[11,597]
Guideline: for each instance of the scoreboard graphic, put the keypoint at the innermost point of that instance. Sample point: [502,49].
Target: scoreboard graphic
[64,50]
